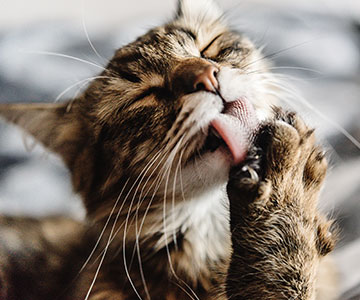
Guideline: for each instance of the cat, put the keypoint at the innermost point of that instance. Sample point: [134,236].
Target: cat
[196,185]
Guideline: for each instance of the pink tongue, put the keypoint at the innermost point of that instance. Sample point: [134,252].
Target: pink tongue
[236,126]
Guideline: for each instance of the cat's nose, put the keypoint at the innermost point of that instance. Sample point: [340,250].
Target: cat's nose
[206,80]
[193,75]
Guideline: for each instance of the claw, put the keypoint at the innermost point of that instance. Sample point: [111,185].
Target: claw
[254,177]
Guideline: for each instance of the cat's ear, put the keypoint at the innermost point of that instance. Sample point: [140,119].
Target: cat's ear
[198,10]
[51,124]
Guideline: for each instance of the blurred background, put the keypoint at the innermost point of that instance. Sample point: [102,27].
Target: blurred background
[46,56]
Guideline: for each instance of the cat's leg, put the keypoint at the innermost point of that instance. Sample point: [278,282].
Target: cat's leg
[278,235]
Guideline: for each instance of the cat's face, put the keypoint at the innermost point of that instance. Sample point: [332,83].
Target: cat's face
[168,90]
[173,110]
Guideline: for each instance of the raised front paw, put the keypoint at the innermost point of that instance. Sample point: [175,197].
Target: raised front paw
[278,234]
[284,167]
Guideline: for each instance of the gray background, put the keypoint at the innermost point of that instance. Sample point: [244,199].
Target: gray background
[317,43]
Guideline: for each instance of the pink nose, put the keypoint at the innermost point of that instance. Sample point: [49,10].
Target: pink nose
[206,80]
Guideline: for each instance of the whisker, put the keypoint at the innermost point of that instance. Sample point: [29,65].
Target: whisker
[104,228]
[158,180]
[95,277]
[112,235]
[86,80]
[117,231]
[105,250]
[66,56]
[137,233]
[184,290]
[152,161]
[164,225]
[297,68]
[287,76]
[274,54]
[173,197]
[86,32]
[295,96]
[124,254]
[157,183]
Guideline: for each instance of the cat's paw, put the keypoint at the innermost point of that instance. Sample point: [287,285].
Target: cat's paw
[284,160]
[277,231]
[292,153]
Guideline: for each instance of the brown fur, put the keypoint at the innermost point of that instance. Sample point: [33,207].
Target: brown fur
[123,140]
[278,235]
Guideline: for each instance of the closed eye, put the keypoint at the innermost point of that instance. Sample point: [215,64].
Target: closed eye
[209,45]
[129,76]
[157,91]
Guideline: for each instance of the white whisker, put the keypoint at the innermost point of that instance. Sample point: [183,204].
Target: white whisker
[118,230]
[145,170]
[95,277]
[124,253]
[173,197]
[157,183]
[164,220]
[107,244]
[66,56]
[137,233]
[86,32]
[112,235]
[277,53]
[293,94]
[104,228]
[85,81]
[297,68]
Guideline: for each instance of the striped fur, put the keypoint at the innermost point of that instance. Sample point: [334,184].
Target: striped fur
[156,200]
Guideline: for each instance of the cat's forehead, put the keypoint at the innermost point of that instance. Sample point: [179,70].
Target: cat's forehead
[175,41]
[202,30]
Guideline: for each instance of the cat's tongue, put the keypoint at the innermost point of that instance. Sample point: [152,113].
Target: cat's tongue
[236,126]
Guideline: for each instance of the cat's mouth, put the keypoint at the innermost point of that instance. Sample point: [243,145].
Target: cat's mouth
[233,129]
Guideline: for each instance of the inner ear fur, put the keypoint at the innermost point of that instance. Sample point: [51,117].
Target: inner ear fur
[53,125]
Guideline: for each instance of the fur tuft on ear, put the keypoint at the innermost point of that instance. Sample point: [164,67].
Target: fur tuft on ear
[198,10]
[51,124]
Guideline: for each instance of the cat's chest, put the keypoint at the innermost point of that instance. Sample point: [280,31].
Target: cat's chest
[203,224]
[208,223]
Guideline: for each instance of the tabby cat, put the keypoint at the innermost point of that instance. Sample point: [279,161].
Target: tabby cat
[195,185]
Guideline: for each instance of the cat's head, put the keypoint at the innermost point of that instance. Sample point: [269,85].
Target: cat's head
[171,112]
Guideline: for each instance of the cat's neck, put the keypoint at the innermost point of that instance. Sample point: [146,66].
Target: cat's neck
[197,260]
[194,232]
[193,239]
[202,222]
